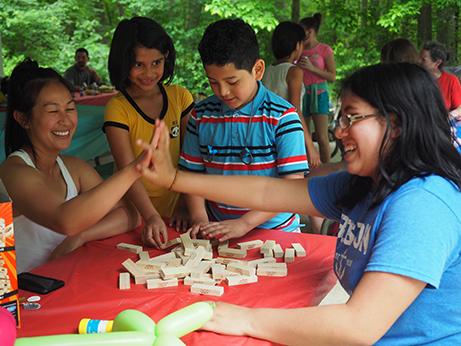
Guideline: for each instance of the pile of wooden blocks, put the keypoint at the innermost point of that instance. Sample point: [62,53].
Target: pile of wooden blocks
[192,262]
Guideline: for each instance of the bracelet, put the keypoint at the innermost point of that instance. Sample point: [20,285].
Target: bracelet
[174,180]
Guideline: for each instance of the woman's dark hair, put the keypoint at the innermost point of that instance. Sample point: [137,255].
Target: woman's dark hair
[313,22]
[285,38]
[399,50]
[409,94]
[437,52]
[229,41]
[138,32]
[26,82]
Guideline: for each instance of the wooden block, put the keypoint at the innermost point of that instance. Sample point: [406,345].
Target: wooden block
[281,265]
[124,281]
[208,255]
[187,243]
[272,271]
[179,252]
[241,269]
[253,244]
[255,263]
[195,257]
[227,273]
[207,289]
[151,266]
[168,262]
[217,271]
[200,269]
[171,243]
[174,272]
[289,255]
[268,254]
[162,257]
[144,256]
[233,253]
[189,281]
[202,242]
[129,247]
[159,283]
[300,251]
[241,280]
[226,261]
[267,247]
[132,267]
[278,251]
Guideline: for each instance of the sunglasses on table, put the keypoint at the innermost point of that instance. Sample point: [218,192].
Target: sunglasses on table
[345,121]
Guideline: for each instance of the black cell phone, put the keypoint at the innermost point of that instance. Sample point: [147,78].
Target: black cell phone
[37,283]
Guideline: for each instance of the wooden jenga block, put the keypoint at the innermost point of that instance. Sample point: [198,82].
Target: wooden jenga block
[129,247]
[268,254]
[253,244]
[124,281]
[278,251]
[289,255]
[163,257]
[159,283]
[208,255]
[174,272]
[217,271]
[226,261]
[267,247]
[195,257]
[140,276]
[233,253]
[151,266]
[241,269]
[255,263]
[241,280]
[168,262]
[187,243]
[227,273]
[300,251]
[222,244]
[144,256]
[202,242]
[200,269]
[171,243]
[272,269]
[188,281]
[207,289]
[179,252]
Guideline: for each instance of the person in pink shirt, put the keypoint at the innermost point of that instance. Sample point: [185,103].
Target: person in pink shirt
[318,64]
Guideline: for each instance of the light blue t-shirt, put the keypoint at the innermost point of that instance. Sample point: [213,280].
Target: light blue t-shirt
[415,232]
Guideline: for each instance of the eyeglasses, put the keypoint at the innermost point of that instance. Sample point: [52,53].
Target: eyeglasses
[345,121]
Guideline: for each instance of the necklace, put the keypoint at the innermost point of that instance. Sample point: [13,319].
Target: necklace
[245,155]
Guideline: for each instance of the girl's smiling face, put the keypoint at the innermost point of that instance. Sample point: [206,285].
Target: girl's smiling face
[362,140]
[147,70]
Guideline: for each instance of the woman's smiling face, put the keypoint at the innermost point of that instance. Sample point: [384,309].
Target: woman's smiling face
[362,140]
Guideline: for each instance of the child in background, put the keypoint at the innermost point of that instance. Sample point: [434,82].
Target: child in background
[398,204]
[285,79]
[243,129]
[141,59]
[399,50]
[59,202]
[318,63]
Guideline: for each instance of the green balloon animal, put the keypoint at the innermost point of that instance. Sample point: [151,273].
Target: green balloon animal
[134,328]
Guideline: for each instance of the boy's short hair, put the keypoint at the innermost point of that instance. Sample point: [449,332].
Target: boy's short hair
[229,41]
[285,38]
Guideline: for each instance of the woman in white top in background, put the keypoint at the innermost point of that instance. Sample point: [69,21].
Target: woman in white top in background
[59,202]
[285,79]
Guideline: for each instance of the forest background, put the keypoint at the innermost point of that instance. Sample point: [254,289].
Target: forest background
[50,31]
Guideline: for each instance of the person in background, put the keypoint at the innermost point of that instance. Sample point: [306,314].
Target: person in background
[81,75]
[141,66]
[285,79]
[398,204]
[434,56]
[318,63]
[399,50]
[242,129]
[59,202]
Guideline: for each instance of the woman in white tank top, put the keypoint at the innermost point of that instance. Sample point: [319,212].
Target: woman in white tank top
[59,202]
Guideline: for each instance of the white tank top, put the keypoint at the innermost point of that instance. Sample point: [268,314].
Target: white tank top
[35,243]
[275,79]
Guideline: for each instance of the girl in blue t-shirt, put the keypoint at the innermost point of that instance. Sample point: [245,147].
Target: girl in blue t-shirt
[398,204]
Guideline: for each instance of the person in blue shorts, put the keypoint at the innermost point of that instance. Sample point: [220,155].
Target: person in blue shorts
[243,129]
[398,204]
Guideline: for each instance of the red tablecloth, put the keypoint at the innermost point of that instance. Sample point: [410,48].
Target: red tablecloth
[91,289]
[94,100]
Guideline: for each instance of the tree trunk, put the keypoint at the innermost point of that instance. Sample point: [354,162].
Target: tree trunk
[424,25]
[295,11]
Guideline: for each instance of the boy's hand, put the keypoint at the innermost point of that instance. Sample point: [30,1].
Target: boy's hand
[229,319]
[229,229]
[160,170]
[197,226]
[152,230]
